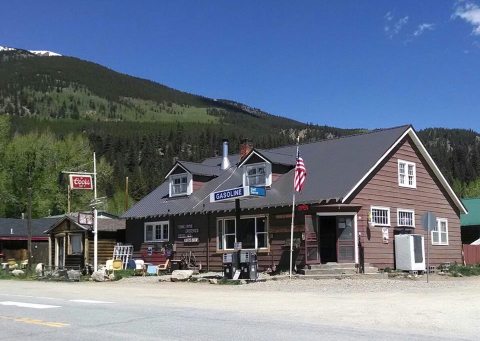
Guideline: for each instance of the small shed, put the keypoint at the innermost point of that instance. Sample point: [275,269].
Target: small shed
[14,239]
[71,243]
[470,222]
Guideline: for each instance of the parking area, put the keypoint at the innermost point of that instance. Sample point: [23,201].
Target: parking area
[359,308]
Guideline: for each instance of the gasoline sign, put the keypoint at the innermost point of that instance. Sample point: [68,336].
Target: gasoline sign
[78,181]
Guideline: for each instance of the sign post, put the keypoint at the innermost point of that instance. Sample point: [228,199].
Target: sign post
[83,180]
[429,222]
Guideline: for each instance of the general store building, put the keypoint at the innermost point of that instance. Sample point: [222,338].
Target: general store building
[360,191]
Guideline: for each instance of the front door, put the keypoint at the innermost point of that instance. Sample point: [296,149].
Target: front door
[345,239]
[60,259]
[336,238]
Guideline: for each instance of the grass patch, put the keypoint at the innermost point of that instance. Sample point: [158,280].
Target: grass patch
[464,270]
[119,274]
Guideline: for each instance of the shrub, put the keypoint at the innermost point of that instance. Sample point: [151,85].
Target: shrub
[464,270]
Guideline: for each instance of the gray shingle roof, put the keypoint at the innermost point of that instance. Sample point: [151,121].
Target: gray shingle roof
[334,167]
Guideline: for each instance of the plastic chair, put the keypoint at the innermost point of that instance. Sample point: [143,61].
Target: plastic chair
[163,267]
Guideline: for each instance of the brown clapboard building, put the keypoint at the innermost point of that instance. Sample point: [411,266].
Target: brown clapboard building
[359,193]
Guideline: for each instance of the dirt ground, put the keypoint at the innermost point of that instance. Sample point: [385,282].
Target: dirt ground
[445,307]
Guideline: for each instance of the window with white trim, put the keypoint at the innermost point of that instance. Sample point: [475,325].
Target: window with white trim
[440,232]
[157,231]
[180,184]
[405,217]
[380,216]
[407,176]
[257,174]
[252,233]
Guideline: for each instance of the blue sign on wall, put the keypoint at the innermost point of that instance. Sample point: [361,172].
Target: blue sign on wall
[257,191]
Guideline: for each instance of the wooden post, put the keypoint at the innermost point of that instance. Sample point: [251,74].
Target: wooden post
[126,193]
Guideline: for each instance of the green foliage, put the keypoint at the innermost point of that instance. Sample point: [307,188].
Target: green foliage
[34,162]
[464,270]
[119,274]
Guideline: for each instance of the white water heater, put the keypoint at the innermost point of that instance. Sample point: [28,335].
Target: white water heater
[409,252]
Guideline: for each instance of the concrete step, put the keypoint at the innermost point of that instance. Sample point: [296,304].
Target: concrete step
[332,265]
[331,271]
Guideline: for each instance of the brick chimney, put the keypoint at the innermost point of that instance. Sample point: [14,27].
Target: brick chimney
[245,148]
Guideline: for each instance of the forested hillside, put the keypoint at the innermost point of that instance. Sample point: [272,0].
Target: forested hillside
[137,128]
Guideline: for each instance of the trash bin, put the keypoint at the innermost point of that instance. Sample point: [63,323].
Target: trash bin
[175,264]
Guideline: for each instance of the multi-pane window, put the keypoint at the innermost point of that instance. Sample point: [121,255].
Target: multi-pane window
[156,231]
[179,184]
[405,218]
[380,216]
[440,232]
[407,174]
[256,175]
[252,233]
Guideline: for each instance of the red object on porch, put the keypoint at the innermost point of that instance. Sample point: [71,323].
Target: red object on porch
[471,254]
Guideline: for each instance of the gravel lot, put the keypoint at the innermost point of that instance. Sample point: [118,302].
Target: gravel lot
[446,307]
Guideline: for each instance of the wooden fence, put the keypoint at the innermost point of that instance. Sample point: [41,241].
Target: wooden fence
[471,254]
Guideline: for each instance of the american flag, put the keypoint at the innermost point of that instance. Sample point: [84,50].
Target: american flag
[300,174]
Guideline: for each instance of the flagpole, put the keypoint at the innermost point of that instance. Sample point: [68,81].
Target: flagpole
[293,214]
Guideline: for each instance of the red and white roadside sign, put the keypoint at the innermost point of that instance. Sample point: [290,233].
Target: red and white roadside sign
[78,181]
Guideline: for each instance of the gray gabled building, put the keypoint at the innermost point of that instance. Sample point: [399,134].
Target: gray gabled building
[359,192]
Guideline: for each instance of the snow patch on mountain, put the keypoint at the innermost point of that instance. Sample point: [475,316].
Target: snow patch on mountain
[45,53]
[35,52]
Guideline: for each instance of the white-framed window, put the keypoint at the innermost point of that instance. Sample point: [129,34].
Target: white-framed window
[252,233]
[407,176]
[180,184]
[75,244]
[405,217]
[257,174]
[380,216]
[157,231]
[440,232]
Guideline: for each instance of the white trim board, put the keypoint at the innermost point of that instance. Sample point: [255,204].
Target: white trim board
[428,158]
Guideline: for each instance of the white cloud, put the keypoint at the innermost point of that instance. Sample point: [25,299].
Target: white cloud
[469,12]
[392,28]
[422,28]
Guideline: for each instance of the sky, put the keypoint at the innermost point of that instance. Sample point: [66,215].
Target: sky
[349,64]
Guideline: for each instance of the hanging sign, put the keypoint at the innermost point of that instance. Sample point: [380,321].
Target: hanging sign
[85,218]
[78,181]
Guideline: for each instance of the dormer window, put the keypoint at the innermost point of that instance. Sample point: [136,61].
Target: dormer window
[258,174]
[180,184]
[255,175]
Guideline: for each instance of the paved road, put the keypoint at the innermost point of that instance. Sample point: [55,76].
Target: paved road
[187,311]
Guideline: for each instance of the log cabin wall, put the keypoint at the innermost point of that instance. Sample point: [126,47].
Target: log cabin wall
[106,244]
[382,189]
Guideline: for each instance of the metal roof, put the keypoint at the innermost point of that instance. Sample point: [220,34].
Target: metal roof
[200,169]
[473,216]
[103,223]
[334,167]
[12,227]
